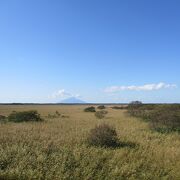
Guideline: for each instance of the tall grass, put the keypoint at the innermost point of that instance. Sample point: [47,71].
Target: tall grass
[56,148]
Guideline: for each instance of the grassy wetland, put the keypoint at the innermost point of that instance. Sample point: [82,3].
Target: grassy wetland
[56,148]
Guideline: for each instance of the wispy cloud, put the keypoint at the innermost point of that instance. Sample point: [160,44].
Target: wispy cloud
[145,87]
[62,93]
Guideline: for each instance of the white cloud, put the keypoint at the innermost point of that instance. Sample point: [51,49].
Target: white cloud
[145,87]
[62,94]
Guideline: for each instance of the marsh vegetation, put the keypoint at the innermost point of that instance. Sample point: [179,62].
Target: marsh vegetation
[120,146]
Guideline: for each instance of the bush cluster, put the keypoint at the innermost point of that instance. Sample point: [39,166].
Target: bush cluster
[32,115]
[103,136]
[162,118]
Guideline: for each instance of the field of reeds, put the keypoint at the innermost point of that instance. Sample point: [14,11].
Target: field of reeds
[57,147]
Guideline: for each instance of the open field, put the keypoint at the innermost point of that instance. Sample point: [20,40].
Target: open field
[57,148]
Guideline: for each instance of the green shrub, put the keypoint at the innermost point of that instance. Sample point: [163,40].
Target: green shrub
[103,136]
[90,109]
[101,107]
[32,115]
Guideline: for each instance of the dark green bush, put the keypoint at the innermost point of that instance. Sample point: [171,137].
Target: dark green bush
[103,136]
[101,107]
[90,109]
[32,115]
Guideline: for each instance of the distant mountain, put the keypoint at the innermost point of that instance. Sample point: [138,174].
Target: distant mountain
[72,100]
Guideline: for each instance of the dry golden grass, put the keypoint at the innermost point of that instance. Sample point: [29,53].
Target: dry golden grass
[57,149]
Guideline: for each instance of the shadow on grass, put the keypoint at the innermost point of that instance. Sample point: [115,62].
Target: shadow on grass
[127,144]
[165,130]
[118,145]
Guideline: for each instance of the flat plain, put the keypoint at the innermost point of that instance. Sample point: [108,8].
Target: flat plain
[57,149]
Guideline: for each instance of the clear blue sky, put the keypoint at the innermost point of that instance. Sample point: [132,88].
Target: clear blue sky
[54,49]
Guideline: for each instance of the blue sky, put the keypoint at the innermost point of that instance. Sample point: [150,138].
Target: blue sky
[96,50]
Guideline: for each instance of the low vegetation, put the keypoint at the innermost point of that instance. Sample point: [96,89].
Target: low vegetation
[119,107]
[90,109]
[54,115]
[101,114]
[166,118]
[103,136]
[24,116]
[162,118]
[58,148]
